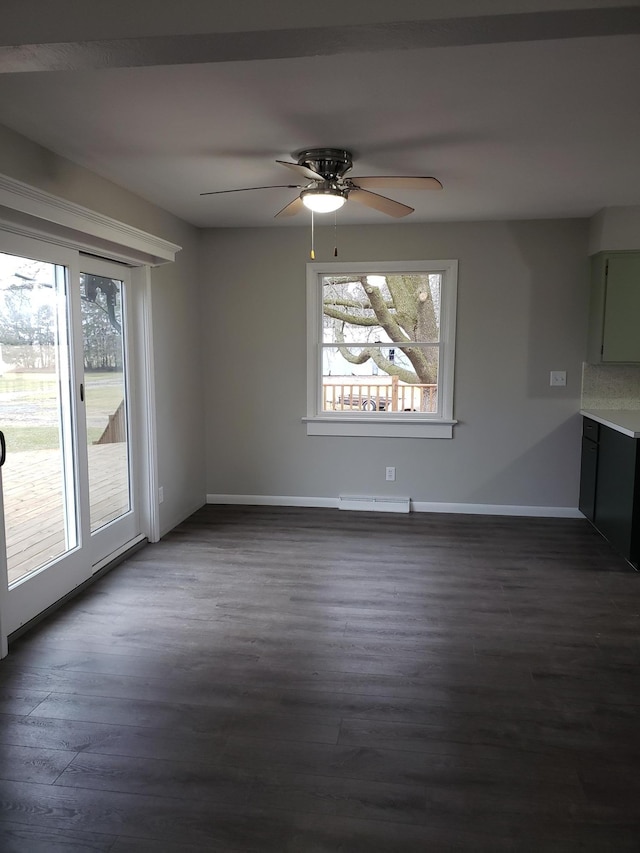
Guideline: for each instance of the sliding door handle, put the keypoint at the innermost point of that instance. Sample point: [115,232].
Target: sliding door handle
[3,449]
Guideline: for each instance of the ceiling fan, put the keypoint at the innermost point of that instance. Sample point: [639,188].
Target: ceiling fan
[327,188]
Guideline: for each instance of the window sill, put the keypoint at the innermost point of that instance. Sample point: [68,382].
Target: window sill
[387,428]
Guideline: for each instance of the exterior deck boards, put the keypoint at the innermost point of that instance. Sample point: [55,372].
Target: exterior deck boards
[34,517]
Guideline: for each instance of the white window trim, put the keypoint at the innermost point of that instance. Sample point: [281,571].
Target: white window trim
[382,424]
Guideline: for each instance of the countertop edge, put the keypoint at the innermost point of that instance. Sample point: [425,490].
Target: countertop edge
[626,422]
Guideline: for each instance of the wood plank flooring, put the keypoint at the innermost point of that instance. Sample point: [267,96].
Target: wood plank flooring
[316,681]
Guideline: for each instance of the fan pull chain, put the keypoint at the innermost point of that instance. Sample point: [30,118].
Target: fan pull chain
[312,253]
[335,235]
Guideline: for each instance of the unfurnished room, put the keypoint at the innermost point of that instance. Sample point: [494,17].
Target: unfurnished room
[319,426]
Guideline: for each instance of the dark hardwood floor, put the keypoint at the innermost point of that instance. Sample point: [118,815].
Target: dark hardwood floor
[315,681]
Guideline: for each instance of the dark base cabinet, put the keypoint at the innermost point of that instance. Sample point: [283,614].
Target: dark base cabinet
[610,487]
[588,474]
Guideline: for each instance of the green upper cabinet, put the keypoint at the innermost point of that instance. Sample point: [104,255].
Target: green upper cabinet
[614,313]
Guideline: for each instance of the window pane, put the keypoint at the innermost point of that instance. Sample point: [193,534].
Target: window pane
[385,309]
[380,379]
[105,398]
[35,397]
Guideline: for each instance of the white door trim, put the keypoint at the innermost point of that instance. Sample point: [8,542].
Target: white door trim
[146,435]
[47,216]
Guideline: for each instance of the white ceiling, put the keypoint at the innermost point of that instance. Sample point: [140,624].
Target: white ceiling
[513,128]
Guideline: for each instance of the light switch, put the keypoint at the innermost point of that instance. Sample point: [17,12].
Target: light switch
[558,377]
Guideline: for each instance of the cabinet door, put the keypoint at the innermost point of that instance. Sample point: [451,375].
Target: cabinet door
[615,488]
[621,331]
[588,470]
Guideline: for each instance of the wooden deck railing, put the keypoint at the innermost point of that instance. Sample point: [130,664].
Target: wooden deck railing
[116,428]
[392,396]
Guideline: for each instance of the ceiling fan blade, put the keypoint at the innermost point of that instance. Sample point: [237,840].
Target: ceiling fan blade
[307,173]
[397,182]
[380,202]
[248,189]
[295,206]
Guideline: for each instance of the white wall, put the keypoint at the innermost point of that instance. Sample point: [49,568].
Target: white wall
[522,311]
[176,313]
[615,229]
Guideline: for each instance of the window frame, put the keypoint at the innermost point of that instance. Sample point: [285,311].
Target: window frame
[386,424]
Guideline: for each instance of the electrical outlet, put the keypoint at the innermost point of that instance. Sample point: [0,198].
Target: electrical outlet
[161,494]
[558,378]
[390,472]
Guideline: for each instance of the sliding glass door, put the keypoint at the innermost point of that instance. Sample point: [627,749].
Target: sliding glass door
[108,399]
[68,480]
[40,475]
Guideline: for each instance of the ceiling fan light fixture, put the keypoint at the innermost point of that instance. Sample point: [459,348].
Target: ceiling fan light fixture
[323,200]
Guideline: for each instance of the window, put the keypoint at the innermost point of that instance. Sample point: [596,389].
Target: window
[381,341]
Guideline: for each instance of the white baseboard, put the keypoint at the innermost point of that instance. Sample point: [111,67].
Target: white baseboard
[369,503]
[498,509]
[416,506]
[273,500]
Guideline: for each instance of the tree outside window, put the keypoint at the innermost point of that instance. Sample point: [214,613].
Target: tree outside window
[382,326]
[382,342]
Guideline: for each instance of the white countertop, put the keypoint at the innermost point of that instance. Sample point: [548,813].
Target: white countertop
[626,421]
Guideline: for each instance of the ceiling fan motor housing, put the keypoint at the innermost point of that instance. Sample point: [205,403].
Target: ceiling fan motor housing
[331,163]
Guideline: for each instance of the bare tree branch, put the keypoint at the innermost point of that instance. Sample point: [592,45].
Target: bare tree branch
[348,303]
[348,318]
[407,318]
[377,356]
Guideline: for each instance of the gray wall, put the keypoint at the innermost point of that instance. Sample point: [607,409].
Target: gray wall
[522,311]
[176,313]
[522,306]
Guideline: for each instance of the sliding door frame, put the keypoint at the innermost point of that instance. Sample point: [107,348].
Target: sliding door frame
[34,213]
[3,581]
[39,588]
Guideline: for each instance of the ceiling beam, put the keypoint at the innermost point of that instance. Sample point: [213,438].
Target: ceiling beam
[319,41]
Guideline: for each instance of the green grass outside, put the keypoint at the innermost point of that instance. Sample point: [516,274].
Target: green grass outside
[39,438]
[39,391]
